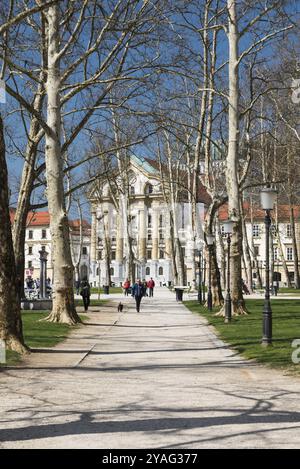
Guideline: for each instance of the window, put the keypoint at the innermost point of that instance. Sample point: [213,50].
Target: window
[149,221]
[161,236]
[44,234]
[132,190]
[113,255]
[289,230]
[292,276]
[149,237]
[113,239]
[149,254]
[289,254]
[160,271]
[161,254]
[30,250]
[112,271]
[160,221]
[99,255]
[29,264]
[183,252]
[256,251]
[147,270]
[30,234]
[275,253]
[255,231]
[149,189]
[84,250]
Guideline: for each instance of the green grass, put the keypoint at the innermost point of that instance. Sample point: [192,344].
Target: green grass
[245,332]
[38,334]
[292,291]
[111,290]
[92,302]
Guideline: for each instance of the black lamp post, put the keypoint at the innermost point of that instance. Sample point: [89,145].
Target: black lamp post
[228,228]
[210,242]
[199,249]
[267,196]
[43,273]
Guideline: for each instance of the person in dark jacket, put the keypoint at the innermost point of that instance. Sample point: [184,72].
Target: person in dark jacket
[85,292]
[138,291]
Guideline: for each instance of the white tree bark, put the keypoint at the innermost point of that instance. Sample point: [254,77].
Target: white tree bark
[63,309]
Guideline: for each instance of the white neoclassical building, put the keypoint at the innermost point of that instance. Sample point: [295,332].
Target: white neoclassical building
[149,228]
[38,238]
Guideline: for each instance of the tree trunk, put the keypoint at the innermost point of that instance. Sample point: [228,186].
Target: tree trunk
[10,314]
[63,309]
[295,249]
[27,181]
[232,182]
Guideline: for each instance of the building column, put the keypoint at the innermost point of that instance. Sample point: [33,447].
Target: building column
[119,250]
[142,234]
[94,242]
[168,240]
[155,233]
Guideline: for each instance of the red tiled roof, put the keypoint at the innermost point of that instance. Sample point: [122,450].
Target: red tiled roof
[259,214]
[43,219]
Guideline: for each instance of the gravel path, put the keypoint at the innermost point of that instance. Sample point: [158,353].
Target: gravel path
[159,379]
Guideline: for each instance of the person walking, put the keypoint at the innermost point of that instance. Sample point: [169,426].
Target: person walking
[145,285]
[85,292]
[126,286]
[138,291]
[151,285]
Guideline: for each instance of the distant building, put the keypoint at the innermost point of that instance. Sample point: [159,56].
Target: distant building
[150,228]
[38,238]
[281,242]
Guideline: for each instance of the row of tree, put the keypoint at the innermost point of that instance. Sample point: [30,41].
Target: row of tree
[200,85]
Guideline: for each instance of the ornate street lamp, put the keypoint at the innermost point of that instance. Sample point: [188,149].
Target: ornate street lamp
[267,198]
[210,242]
[199,247]
[228,229]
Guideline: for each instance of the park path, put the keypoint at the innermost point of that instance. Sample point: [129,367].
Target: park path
[159,379]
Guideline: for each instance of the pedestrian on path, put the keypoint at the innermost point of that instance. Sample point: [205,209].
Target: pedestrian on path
[126,286]
[138,291]
[151,285]
[85,292]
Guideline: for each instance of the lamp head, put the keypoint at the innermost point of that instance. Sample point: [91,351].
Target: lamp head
[228,226]
[210,239]
[268,197]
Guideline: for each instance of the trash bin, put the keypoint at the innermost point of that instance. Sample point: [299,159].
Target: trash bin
[106,289]
[179,293]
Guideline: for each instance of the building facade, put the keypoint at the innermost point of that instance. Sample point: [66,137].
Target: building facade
[282,247]
[38,238]
[149,229]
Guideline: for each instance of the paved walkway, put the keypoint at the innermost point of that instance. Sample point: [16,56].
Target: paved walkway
[159,379]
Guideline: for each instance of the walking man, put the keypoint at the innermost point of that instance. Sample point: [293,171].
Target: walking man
[151,285]
[138,291]
[85,292]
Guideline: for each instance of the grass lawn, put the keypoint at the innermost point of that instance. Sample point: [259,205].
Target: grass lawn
[290,291]
[92,302]
[40,334]
[245,332]
[111,290]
